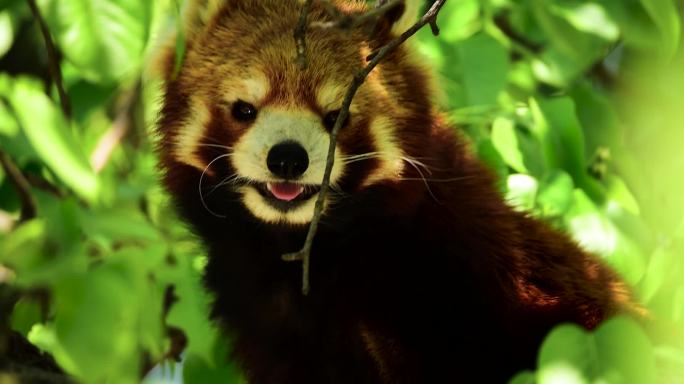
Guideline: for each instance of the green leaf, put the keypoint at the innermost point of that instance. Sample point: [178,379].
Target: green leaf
[119,226]
[463,19]
[485,67]
[636,26]
[190,313]
[95,323]
[555,194]
[197,370]
[660,264]
[628,259]
[25,314]
[490,155]
[525,377]
[105,39]
[620,193]
[6,32]
[560,132]
[22,249]
[664,14]
[590,17]
[50,136]
[618,351]
[625,353]
[593,231]
[566,356]
[522,191]
[505,140]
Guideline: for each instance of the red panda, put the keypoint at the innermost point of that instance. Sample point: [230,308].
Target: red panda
[421,273]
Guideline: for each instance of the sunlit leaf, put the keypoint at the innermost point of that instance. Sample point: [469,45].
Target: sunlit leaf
[506,142]
[664,14]
[49,134]
[96,328]
[522,191]
[588,17]
[25,314]
[618,351]
[555,194]
[489,154]
[660,264]
[190,315]
[485,64]
[105,39]
[6,32]
[463,17]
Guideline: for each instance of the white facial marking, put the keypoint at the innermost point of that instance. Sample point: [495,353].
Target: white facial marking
[330,95]
[256,88]
[389,152]
[191,134]
[253,200]
[252,89]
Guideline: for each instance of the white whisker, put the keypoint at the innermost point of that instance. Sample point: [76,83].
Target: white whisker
[200,185]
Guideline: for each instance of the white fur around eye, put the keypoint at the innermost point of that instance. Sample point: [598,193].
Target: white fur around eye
[252,89]
[330,95]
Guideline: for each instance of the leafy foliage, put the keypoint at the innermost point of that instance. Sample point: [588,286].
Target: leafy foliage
[575,104]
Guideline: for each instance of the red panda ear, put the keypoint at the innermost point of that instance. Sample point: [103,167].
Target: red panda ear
[400,17]
[196,14]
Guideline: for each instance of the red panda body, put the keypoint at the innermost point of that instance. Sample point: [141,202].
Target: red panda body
[421,273]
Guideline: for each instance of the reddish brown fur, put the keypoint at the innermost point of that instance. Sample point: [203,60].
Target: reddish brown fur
[409,285]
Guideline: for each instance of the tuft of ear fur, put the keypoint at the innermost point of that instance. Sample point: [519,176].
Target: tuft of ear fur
[198,13]
[398,19]
[194,16]
[405,16]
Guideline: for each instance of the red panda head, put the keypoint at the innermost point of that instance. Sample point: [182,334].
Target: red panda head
[242,122]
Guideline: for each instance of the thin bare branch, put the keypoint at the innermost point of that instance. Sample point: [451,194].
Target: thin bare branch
[300,35]
[28,202]
[304,254]
[370,18]
[112,138]
[53,61]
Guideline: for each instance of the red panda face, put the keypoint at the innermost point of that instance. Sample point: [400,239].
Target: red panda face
[256,127]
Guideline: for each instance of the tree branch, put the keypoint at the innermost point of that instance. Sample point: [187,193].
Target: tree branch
[304,254]
[53,61]
[122,124]
[300,35]
[354,21]
[28,203]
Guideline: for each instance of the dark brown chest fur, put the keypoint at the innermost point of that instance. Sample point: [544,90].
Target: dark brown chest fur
[408,285]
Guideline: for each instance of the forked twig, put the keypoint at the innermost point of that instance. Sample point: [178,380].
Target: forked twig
[344,21]
[374,58]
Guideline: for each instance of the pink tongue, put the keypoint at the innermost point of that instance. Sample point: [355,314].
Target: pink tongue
[285,191]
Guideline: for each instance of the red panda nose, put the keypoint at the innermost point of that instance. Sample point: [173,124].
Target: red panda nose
[288,160]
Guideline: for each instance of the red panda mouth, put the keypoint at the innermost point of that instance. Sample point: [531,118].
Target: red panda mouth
[285,191]
[285,195]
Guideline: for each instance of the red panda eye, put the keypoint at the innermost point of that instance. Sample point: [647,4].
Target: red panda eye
[244,111]
[330,119]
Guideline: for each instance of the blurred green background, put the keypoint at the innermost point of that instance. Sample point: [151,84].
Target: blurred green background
[578,105]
